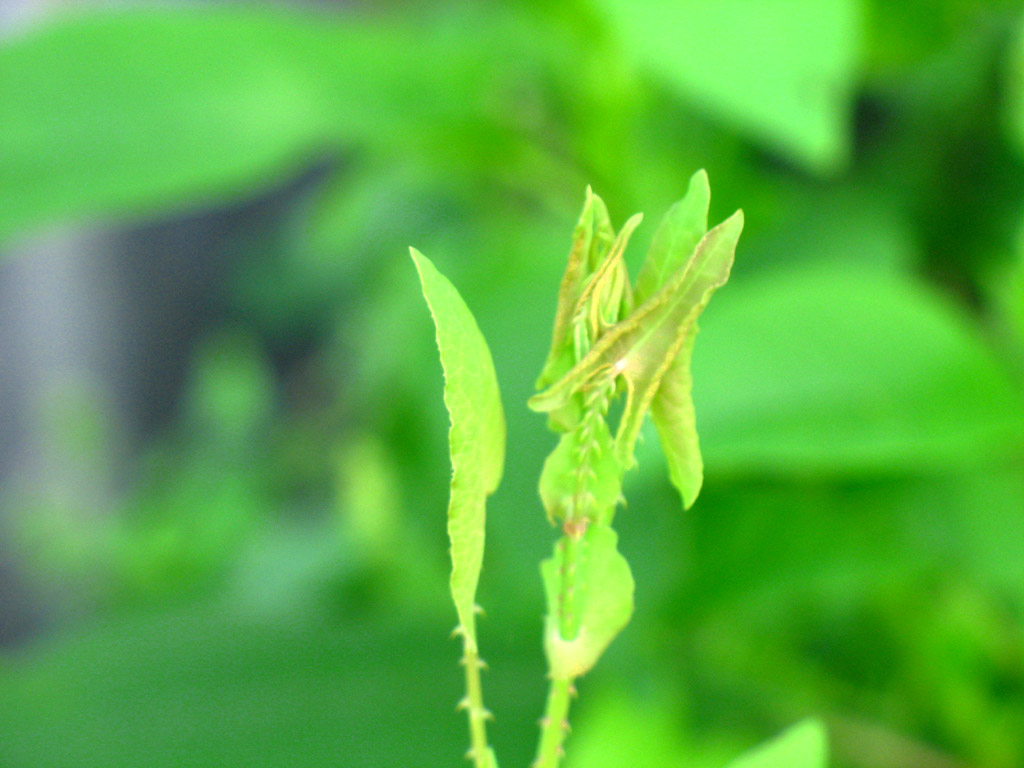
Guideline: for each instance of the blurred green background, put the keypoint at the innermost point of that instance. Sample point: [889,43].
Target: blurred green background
[222,440]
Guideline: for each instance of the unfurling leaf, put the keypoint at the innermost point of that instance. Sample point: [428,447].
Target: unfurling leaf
[477,435]
[643,347]
[675,419]
[592,238]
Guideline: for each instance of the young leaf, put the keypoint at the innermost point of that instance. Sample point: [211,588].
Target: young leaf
[792,90]
[477,435]
[677,236]
[643,346]
[672,407]
[592,238]
[607,297]
[604,601]
[675,419]
[805,745]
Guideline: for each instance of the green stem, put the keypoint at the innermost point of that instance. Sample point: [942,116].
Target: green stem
[568,608]
[555,724]
[477,715]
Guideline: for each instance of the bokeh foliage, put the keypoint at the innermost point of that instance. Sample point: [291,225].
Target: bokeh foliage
[270,589]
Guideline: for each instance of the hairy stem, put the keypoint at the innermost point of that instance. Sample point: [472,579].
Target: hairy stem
[555,724]
[582,509]
[476,714]
[568,610]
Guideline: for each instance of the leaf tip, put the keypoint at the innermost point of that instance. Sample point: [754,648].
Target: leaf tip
[417,258]
[691,491]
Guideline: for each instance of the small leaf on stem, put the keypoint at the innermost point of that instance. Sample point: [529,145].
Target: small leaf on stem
[604,601]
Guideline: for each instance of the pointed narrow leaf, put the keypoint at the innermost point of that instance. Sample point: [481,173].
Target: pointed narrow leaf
[477,435]
[605,603]
[607,296]
[805,745]
[672,407]
[592,238]
[676,238]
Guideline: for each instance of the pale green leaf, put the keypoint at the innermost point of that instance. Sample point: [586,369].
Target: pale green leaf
[672,407]
[607,297]
[592,239]
[783,72]
[805,745]
[642,347]
[675,418]
[477,436]
[604,586]
[677,236]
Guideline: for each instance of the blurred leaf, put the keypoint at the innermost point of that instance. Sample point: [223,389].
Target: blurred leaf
[782,72]
[477,436]
[842,368]
[802,746]
[231,393]
[909,36]
[368,497]
[616,730]
[1007,292]
[130,111]
[202,686]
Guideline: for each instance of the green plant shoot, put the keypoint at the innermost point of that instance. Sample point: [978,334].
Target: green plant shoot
[477,445]
[610,339]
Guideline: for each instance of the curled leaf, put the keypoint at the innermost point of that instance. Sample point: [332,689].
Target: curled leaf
[592,239]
